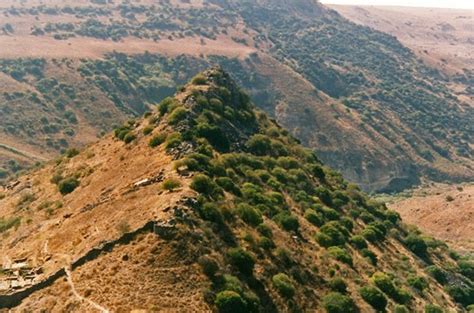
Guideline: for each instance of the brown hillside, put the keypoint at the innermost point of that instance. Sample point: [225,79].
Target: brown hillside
[443,38]
[444,212]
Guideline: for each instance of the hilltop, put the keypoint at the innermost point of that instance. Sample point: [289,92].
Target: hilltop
[369,107]
[207,204]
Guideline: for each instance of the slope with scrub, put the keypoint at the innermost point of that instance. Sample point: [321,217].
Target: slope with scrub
[254,220]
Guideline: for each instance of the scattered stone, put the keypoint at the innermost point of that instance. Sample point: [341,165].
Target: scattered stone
[165,229]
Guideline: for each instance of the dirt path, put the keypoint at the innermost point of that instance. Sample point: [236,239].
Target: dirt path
[78,296]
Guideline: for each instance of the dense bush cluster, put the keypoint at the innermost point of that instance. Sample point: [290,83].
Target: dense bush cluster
[262,178]
[324,53]
[68,185]
[374,297]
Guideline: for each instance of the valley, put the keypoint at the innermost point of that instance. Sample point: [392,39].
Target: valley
[354,115]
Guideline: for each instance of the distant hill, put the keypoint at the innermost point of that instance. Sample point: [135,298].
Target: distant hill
[206,204]
[362,100]
[441,37]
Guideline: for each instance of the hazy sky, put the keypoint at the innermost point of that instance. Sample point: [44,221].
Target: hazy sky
[459,4]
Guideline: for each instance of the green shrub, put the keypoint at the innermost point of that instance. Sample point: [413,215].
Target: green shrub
[147,130]
[330,214]
[214,135]
[171,183]
[228,185]
[241,260]
[347,223]
[416,244]
[68,185]
[284,285]
[70,153]
[287,221]
[199,80]
[338,284]
[203,184]
[437,273]
[210,212]
[173,140]
[324,240]
[366,217]
[177,115]
[384,282]
[431,308]
[335,302]
[202,102]
[280,174]
[372,234]
[324,195]
[129,137]
[216,105]
[121,132]
[232,283]
[167,105]
[26,199]
[330,235]
[462,293]
[417,282]
[253,302]
[318,172]
[358,242]
[209,266]
[249,215]
[392,216]
[366,253]
[266,243]
[7,223]
[230,302]
[265,230]
[259,145]
[288,162]
[466,268]
[157,140]
[313,217]
[374,297]
[402,296]
[57,177]
[340,254]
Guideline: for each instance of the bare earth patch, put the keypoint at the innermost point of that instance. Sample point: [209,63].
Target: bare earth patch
[445,212]
[48,47]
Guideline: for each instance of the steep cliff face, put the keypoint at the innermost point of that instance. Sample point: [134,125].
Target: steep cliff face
[207,204]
